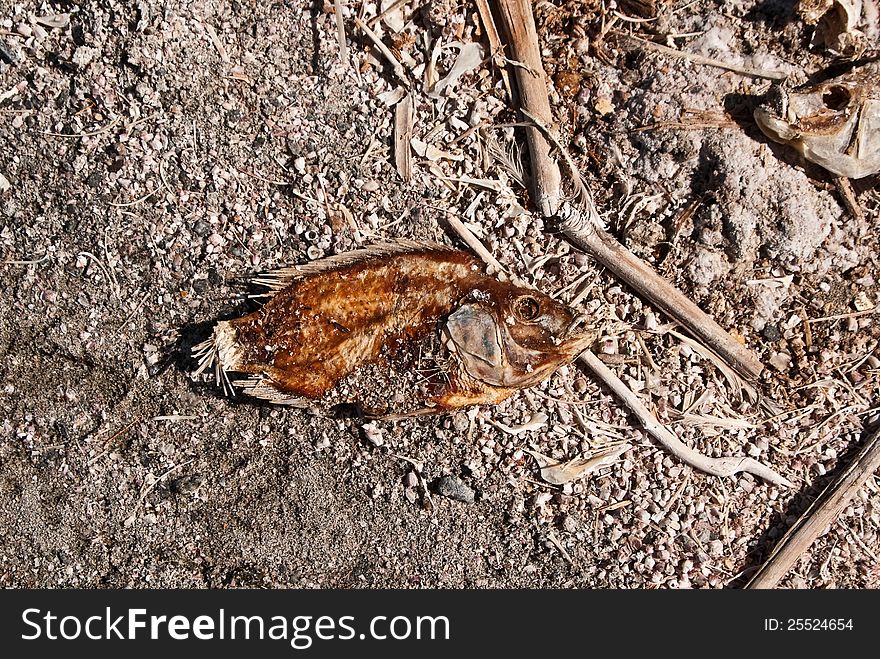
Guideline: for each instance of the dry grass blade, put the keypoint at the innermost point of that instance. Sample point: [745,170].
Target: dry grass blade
[396,66]
[403,132]
[558,472]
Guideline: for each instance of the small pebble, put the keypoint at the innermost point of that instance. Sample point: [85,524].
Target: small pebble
[410,480]
[452,488]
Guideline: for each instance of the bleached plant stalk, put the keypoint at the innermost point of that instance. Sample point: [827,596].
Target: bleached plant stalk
[519,25]
[715,466]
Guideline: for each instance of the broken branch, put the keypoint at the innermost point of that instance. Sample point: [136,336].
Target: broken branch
[819,516]
[586,235]
[519,24]
[715,466]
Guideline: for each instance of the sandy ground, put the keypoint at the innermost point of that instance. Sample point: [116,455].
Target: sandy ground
[156,152]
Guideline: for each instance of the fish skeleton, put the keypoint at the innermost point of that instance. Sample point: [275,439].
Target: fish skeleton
[386,310]
[835,123]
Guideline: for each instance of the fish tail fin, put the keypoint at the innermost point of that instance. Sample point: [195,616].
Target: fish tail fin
[218,353]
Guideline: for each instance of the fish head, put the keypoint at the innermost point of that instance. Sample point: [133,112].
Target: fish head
[511,336]
[834,124]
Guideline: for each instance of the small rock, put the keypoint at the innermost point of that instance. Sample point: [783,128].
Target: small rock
[569,524]
[780,361]
[410,480]
[716,548]
[373,433]
[460,422]
[452,488]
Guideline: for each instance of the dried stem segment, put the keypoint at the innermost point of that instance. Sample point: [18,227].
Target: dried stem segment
[403,132]
[706,61]
[584,233]
[340,31]
[519,25]
[396,66]
[819,516]
[495,45]
[714,466]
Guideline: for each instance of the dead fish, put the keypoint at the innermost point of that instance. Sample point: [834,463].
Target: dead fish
[412,312]
[835,124]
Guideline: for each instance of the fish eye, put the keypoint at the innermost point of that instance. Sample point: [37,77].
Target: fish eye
[527,308]
[836,97]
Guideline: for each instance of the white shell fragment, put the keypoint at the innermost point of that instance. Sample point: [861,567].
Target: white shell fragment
[470,55]
[53,21]
[559,473]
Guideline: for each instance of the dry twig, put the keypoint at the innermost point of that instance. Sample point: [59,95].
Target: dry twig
[715,466]
[519,24]
[707,61]
[819,516]
[586,235]
[403,131]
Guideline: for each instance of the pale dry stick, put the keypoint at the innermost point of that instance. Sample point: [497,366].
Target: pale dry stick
[473,242]
[844,316]
[706,61]
[78,135]
[716,466]
[149,488]
[135,201]
[403,132]
[42,259]
[495,45]
[399,71]
[340,31]
[134,310]
[519,24]
[221,49]
[586,235]
[110,280]
[819,515]
[576,179]
[845,188]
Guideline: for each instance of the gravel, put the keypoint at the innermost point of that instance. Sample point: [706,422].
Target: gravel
[149,166]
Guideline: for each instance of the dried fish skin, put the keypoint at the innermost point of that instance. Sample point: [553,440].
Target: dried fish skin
[834,124]
[337,317]
[521,350]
